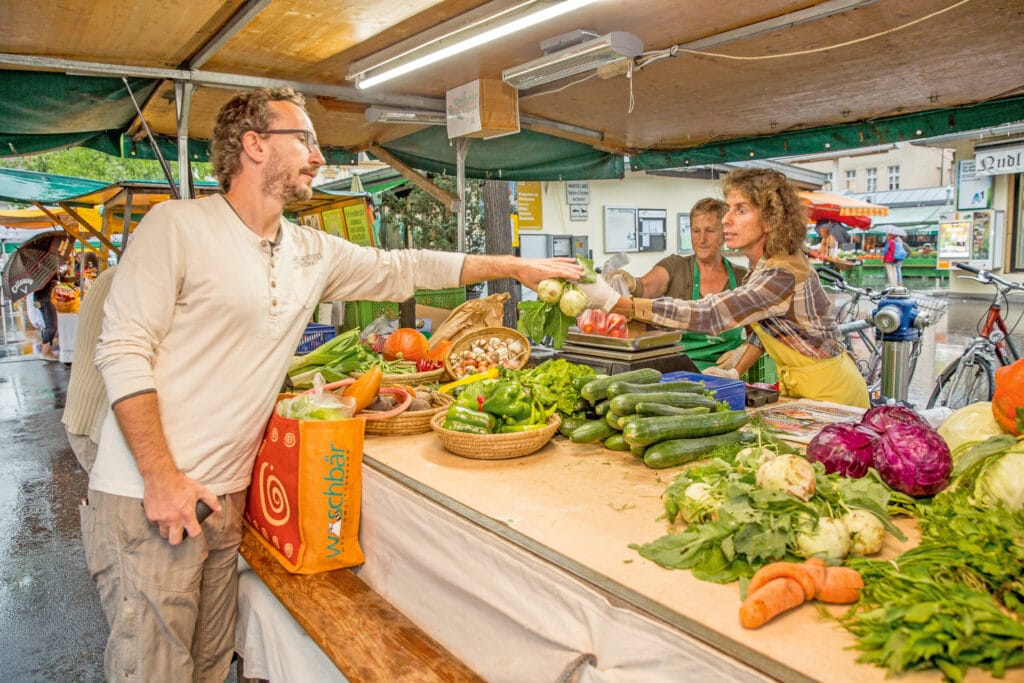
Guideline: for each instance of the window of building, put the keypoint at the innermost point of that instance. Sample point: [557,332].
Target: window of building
[894,177]
[872,180]
[851,179]
[1017,234]
[828,180]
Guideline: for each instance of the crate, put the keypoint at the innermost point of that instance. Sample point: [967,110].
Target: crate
[315,335]
[732,391]
[763,371]
[362,313]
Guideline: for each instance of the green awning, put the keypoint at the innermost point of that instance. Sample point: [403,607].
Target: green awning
[524,156]
[912,216]
[29,187]
[836,138]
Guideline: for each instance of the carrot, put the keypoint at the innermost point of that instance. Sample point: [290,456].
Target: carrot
[769,601]
[788,570]
[838,585]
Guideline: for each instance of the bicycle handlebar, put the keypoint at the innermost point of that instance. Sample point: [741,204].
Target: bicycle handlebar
[986,277]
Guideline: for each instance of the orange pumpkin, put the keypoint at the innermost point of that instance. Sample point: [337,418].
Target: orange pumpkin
[440,352]
[410,343]
[1008,399]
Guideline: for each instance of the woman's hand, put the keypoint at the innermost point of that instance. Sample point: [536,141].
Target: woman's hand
[600,295]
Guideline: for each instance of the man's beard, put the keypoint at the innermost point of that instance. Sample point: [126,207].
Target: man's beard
[281,183]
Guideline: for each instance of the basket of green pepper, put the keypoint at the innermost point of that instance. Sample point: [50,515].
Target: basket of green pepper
[495,419]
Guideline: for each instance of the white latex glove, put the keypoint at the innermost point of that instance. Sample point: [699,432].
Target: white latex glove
[731,373]
[600,294]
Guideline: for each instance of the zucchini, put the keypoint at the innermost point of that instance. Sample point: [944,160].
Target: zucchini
[597,389]
[626,403]
[619,387]
[616,442]
[650,430]
[569,424]
[602,407]
[580,382]
[681,451]
[592,431]
[648,409]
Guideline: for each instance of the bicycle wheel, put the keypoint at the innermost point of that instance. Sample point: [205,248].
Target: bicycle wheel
[963,382]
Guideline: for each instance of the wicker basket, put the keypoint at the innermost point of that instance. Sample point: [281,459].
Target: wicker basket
[503,333]
[409,422]
[495,446]
[408,378]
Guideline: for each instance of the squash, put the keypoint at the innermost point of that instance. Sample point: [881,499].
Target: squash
[407,342]
[1008,398]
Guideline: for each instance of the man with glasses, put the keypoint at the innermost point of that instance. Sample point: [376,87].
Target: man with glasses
[204,313]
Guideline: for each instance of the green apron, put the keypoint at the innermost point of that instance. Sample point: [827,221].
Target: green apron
[702,349]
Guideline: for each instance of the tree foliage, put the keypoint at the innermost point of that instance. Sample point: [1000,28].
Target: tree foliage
[82,162]
[431,224]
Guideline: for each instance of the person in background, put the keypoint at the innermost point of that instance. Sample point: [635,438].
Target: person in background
[86,405]
[829,246]
[893,266]
[46,308]
[691,277]
[782,298]
[203,316]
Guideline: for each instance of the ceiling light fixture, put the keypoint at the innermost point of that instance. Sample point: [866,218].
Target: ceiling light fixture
[577,59]
[414,116]
[487,23]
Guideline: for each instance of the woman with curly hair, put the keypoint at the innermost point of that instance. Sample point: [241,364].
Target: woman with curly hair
[781,299]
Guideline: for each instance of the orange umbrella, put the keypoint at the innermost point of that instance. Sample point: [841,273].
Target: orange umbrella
[835,207]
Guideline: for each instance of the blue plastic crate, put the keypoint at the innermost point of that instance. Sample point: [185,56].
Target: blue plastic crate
[732,391]
[315,335]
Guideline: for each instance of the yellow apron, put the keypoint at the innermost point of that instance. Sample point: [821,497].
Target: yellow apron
[828,379]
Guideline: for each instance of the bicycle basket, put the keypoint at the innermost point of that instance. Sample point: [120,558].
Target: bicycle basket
[932,306]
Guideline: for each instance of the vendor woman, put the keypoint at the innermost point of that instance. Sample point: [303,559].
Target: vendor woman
[782,299]
[691,277]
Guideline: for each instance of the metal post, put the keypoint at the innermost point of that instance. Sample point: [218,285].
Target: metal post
[461,150]
[182,103]
[152,141]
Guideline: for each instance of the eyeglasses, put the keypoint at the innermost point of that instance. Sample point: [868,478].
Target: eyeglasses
[309,137]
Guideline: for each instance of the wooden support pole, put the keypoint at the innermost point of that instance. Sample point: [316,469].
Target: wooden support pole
[91,230]
[451,203]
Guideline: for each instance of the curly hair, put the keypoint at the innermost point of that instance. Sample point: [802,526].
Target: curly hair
[709,205]
[242,113]
[777,200]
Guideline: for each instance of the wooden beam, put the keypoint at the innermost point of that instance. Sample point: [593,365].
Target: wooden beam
[451,203]
[91,230]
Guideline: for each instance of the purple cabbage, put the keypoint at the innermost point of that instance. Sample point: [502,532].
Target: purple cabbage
[844,448]
[913,459]
[880,418]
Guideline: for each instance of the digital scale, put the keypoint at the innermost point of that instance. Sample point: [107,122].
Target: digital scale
[611,355]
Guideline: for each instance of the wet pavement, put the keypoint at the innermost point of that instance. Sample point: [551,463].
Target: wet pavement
[51,624]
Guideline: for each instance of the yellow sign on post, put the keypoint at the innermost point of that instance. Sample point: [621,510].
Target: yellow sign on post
[529,206]
[356,220]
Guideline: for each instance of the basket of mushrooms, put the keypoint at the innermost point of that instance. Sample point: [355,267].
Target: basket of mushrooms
[490,347]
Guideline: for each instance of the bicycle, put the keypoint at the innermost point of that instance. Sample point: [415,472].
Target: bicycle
[861,333]
[971,377]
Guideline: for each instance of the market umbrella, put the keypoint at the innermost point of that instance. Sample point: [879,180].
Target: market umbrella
[890,230]
[834,207]
[33,264]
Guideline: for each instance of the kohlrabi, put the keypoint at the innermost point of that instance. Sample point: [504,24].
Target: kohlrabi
[573,301]
[787,474]
[866,532]
[550,290]
[829,539]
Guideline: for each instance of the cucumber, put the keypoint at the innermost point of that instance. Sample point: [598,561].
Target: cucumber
[590,432]
[613,420]
[580,382]
[569,424]
[597,389]
[681,451]
[619,421]
[650,430]
[626,403]
[619,387]
[616,442]
[602,407]
[648,409]
[638,451]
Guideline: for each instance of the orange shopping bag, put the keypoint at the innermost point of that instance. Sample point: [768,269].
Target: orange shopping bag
[306,492]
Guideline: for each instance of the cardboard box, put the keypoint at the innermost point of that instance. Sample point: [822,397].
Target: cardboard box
[484,108]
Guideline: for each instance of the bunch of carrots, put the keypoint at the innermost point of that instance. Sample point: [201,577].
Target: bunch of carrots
[781,586]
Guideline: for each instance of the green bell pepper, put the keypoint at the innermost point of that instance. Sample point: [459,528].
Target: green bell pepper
[463,419]
[509,400]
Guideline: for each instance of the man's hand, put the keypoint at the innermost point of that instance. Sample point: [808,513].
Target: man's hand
[600,295]
[171,505]
[530,271]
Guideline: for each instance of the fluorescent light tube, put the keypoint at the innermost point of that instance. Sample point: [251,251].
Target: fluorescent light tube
[574,60]
[455,37]
[388,115]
